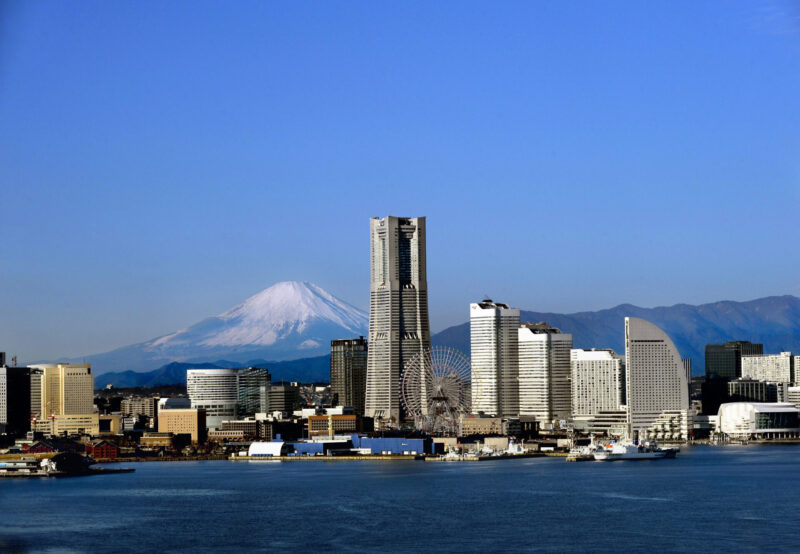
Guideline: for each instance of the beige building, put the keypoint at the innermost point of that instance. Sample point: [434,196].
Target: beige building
[76,424]
[187,421]
[476,425]
[61,390]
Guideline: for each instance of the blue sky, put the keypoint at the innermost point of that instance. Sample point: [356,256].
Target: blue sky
[160,162]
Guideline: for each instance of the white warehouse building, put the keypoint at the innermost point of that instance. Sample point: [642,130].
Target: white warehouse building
[745,420]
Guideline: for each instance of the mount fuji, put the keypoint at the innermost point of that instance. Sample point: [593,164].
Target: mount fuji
[288,320]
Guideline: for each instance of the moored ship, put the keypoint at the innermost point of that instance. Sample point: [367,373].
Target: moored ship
[627,450]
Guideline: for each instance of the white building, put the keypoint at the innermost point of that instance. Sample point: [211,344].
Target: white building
[494,357]
[744,420]
[597,381]
[398,311]
[657,393]
[775,368]
[544,373]
[214,390]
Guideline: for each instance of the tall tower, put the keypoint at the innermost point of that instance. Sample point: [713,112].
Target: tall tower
[544,373]
[398,309]
[495,358]
[656,390]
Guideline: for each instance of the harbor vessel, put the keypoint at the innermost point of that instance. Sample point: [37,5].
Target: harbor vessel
[629,450]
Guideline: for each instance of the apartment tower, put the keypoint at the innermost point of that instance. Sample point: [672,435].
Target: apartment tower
[544,373]
[495,358]
[398,310]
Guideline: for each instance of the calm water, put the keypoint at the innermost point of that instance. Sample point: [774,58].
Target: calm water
[708,499]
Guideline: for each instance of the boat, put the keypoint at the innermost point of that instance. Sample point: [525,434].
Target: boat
[630,450]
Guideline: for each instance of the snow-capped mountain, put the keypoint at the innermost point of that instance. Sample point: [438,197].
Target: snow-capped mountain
[288,320]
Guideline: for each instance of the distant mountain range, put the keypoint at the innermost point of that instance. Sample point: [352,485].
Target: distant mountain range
[288,328]
[286,321]
[773,321]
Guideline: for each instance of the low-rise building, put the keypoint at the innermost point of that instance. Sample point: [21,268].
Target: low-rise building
[76,424]
[102,450]
[333,424]
[751,420]
[187,421]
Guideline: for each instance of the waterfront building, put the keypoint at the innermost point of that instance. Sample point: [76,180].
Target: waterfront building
[792,396]
[544,374]
[657,394]
[480,425]
[15,399]
[254,384]
[60,390]
[751,390]
[398,310]
[753,420]
[191,422]
[725,360]
[494,345]
[597,381]
[349,373]
[775,368]
[284,398]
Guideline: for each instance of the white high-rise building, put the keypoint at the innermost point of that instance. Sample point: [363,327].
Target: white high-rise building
[597,382]
[774,368]
[494,358]
[657,393]
[216,391]
[544,373]
[398,311]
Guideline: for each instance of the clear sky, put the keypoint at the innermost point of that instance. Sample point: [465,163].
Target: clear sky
[162,161]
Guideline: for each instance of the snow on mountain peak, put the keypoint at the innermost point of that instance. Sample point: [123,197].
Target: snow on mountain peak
[284,309]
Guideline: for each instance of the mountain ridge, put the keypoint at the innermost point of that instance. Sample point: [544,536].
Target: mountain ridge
[772,320]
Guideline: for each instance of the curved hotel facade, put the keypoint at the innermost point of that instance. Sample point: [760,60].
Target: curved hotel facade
[216,391]
[657,391]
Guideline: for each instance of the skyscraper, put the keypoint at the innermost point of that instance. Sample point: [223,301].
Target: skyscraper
[657,393]
[398,309]
[349,373]
[60,394]
[495,358]
[254,388]
[544,373]
[15,399]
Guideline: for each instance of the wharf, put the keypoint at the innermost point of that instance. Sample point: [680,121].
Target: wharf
[358,458]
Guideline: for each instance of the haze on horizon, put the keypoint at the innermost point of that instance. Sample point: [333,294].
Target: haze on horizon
[160,164]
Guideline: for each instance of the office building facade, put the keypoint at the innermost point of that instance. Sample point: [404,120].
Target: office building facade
[494,345]
[254,388]
[349,373]
[751,390]
[725,360]
[398,311]
[597,382]
[60,390]
[544,374]
[657,394]
[15,400]
[216,391]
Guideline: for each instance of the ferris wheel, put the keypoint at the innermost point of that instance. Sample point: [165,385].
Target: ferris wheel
[436,389]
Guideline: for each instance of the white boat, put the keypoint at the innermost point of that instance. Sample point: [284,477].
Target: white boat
[627,450]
